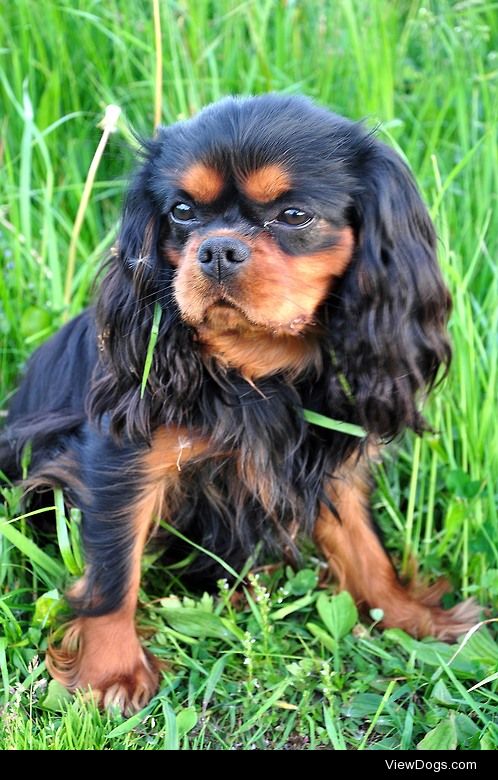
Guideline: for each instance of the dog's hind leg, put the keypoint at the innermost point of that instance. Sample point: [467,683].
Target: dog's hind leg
[359,561]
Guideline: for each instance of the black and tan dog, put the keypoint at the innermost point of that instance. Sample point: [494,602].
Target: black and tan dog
[295,268]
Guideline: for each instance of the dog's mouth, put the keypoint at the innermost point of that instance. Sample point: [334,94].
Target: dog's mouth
[227,316]
[256,349]
[224,304]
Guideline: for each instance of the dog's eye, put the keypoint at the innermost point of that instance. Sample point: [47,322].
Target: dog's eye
[182,212]
[294,217]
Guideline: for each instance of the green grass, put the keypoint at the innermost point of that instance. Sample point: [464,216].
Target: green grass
[271,673]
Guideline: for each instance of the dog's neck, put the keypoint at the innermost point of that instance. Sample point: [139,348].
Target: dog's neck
[254,351]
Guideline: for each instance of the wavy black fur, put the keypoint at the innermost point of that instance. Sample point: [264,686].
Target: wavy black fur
[383,342]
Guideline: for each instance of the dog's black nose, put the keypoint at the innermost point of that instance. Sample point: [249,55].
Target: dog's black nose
[222,256]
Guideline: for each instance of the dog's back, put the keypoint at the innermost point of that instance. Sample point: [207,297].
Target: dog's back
[49,405]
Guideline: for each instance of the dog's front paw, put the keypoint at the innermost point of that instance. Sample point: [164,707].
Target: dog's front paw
[131,691]
[112,674]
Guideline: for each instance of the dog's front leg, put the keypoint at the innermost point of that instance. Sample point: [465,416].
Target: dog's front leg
[125,489]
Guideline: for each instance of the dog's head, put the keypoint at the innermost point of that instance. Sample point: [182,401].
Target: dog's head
[271,230]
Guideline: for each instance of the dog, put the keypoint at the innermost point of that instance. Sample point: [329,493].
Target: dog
[273,259]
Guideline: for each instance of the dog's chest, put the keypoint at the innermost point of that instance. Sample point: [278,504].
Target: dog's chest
[235,498]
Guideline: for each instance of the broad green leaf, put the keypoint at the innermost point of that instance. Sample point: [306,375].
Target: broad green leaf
[322,635]
[195,622]
[461,484]
[47,607]
[443,737]
[338,612]
[304,581]
[467,731]
[363,705]
[478,652]
[57,697]
[441,695]
[185,721]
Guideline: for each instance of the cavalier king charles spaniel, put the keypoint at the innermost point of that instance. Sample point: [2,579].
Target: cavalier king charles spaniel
[280,261]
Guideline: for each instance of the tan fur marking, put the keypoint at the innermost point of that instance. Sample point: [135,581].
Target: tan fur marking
[266,183]
[103,656]
[229,337]
[360,564]
[202,182]
[282,291]
[171,448]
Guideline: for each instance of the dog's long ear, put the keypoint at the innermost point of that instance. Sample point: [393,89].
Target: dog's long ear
[138,279]
[394,304]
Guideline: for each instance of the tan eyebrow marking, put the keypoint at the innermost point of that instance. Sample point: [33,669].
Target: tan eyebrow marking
[266,183]
[203,182]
